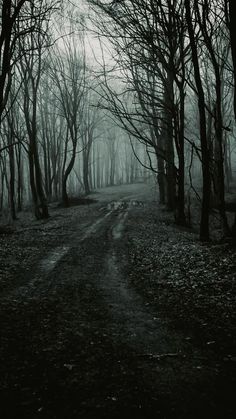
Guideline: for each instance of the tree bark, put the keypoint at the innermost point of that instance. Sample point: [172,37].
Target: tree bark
[86,172]
[206,189]
[170,155]
[65,175]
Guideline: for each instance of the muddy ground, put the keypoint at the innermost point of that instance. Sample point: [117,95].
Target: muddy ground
[108,310]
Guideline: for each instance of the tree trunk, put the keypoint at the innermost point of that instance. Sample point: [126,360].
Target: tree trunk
[206,189]
[161,179]
[65,175]
[219,156]
[33,186]
[231,23]
[19,178]
[170,155]
[12,182]
[86,172]
[38,174]
[39,185]
[180,210]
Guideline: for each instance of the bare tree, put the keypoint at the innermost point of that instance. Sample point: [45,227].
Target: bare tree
[91,119]
[150,43]
[31,67]
[68,70]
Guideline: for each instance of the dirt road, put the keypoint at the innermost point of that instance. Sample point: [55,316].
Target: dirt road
[77,341]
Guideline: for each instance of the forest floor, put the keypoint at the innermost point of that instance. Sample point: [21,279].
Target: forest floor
[109,310]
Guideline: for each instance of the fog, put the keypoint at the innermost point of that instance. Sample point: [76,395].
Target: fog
[96,96]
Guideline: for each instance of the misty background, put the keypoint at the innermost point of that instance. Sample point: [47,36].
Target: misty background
[102,93]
